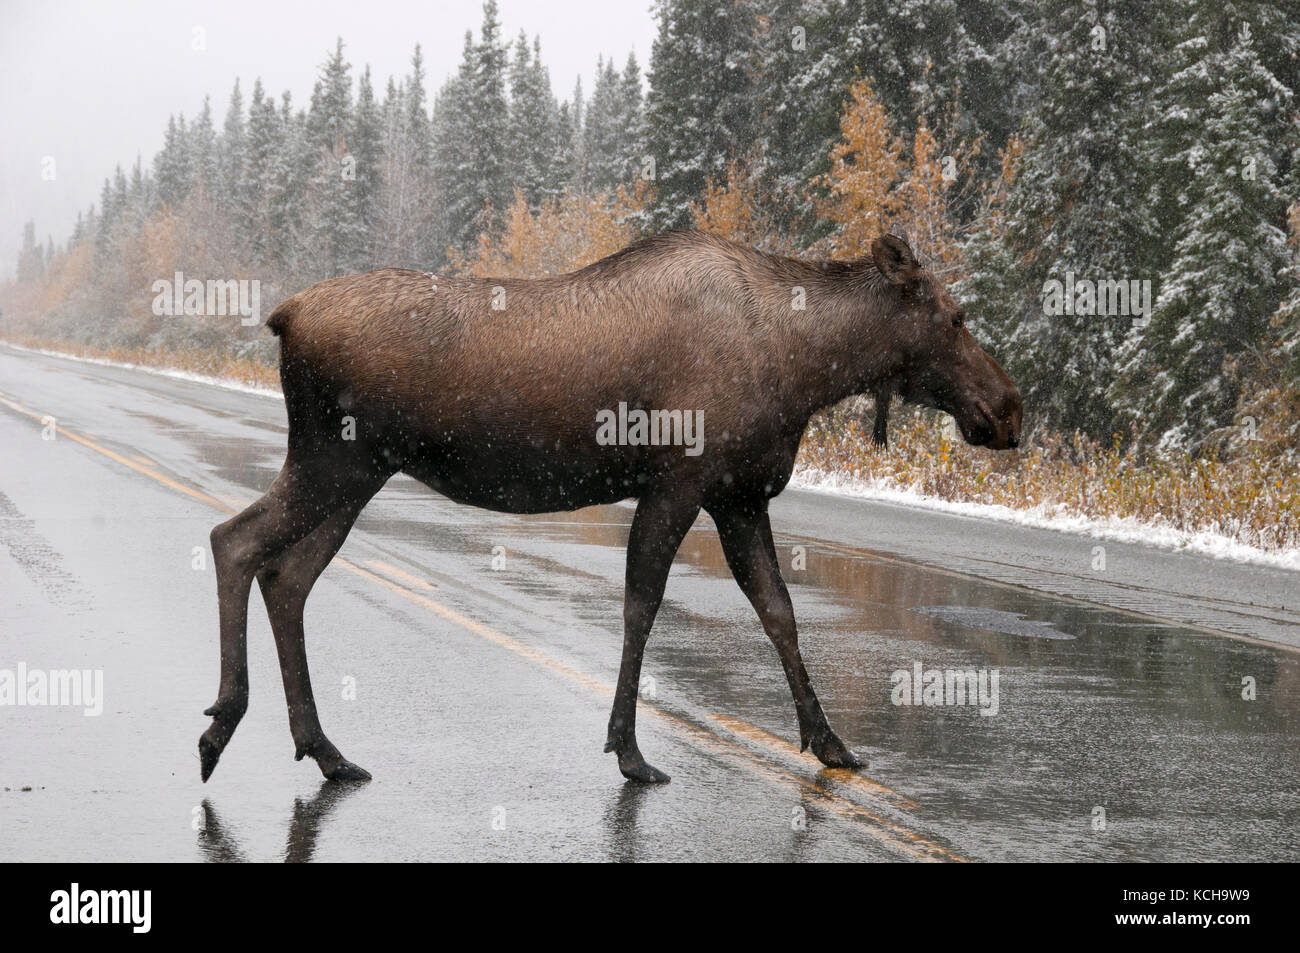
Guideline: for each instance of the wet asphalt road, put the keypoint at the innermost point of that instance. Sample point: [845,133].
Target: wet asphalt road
[467,659]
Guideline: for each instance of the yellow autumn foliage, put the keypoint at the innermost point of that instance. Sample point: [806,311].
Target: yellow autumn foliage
[562,235]
[875,181]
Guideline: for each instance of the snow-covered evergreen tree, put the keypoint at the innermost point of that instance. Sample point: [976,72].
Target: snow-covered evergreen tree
[534,116]
[631,139]
[31,265]
[404,231]
[602,131]
[232,152]
[574,116]
[265,180]
[472,120]
[1079,206]
[1180,377]
[332,237]
[613,132]
[203,150]
[700,111]
[172,167]
[365,145]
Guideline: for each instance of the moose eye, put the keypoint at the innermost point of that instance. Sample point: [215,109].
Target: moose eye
[958,319]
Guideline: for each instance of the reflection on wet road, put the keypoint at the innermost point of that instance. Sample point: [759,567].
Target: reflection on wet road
[467,659]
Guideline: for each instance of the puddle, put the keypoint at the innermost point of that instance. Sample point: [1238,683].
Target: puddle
[993,620]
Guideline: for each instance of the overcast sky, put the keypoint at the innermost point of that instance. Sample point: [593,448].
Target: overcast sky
[92,83]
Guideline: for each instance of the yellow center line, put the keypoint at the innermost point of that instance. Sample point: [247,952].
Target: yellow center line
[399,574]
[484,631]
[211,501]
[881,828]
[841,775]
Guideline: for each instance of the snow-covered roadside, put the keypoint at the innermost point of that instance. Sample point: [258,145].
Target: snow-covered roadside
[159,371]
[1124,530]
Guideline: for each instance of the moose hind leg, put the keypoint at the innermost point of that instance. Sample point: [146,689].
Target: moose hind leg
[747,543]
[658,528]
[303,495]
[286,581]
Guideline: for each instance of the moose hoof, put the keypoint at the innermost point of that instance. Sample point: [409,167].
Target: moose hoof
[345,770]
[636,769]
[209,754]
[831,752]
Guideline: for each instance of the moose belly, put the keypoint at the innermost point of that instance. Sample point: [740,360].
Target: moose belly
[517,477]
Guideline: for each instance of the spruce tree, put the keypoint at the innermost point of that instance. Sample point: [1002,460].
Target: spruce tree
[232,152]
[365,145]
[700,111]
[1079,204]
[576,119]
[603,130]
[30,263]
[453,153]
[1181,376]
[265,178]
[203,150]
[487,103]
[472,120]
[534,116]
[172,169]
[630,153]
[331,237]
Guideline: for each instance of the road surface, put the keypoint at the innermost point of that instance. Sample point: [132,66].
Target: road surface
[467,659]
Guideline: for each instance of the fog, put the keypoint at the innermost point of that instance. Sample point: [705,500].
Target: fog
[92,84]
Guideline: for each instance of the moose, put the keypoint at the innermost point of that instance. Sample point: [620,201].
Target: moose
[488,391]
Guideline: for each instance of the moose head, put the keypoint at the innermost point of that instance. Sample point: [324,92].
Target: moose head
[936,361]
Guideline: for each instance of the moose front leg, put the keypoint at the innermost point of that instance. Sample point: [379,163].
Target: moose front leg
[660,524]
[746,536]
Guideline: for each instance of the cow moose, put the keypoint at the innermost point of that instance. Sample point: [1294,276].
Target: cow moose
[488,390]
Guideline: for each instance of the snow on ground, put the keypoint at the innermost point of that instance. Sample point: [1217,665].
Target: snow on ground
[1124,530]
[222,382]
[1054,517]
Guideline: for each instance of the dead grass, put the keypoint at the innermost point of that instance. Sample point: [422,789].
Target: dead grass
[1250,499]
[239,370]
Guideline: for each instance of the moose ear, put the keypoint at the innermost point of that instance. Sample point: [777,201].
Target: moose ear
[894,260]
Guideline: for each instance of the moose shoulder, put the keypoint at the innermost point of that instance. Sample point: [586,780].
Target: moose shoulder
[680,371]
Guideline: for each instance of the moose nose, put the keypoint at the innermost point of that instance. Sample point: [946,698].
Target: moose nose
[1012,440]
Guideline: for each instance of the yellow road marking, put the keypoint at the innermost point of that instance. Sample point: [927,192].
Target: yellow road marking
[212,501]
[145,460]
[400,574]
[881,828]
[840,775]
[484,631]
